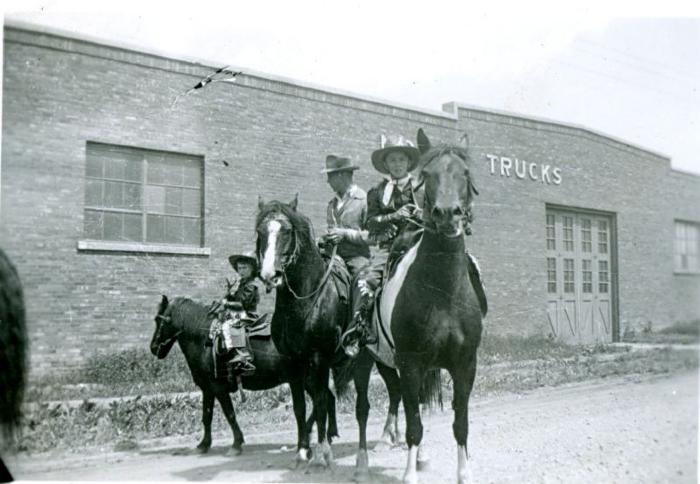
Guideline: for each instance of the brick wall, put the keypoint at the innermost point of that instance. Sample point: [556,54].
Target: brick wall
[598,174]
[59,93]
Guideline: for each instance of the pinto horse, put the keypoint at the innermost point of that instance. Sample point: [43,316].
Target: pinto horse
[309,319]
[434,299]
[187,323]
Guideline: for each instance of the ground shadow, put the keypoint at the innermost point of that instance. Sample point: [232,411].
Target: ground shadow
[258,458]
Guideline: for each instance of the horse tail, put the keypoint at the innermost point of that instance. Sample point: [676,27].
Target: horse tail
[343,372]
[13,347]
[431,389]
[478,284]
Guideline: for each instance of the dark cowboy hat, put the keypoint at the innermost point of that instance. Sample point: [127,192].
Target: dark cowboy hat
[248,257]
[394,143]
[338,163]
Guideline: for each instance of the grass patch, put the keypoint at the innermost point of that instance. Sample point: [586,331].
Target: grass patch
[687,332]
[156,409]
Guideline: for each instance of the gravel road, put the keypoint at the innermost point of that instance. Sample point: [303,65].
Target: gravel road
[631,429]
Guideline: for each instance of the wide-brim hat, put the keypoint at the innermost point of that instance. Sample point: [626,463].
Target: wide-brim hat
[248,257]
[338,163]
[394,143]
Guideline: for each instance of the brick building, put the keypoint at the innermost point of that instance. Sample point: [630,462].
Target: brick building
[117,188]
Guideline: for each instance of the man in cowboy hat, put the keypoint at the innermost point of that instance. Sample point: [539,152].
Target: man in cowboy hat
[239,303]
[392,205]
[345,214]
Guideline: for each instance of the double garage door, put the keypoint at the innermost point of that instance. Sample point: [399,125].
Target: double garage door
[579,276]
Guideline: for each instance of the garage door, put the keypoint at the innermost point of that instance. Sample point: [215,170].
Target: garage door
[579,282]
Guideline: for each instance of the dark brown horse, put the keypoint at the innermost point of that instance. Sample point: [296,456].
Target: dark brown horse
[309,318]
[13,354]
[187,323]
[431,301]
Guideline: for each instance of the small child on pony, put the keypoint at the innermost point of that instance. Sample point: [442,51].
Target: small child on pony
[237,309]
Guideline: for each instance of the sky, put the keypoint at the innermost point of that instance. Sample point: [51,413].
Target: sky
[631,71]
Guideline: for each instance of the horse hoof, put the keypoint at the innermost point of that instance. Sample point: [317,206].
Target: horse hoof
[201,449]
[422,465]
[234,451]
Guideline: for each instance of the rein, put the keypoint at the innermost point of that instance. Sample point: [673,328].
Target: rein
[324,279]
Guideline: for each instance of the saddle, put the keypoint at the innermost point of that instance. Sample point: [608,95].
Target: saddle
[255,327]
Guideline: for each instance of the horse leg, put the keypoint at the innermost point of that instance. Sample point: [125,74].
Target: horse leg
[411,380]
[303,428]
[361,374]
[332,422]
[391,435]
[463,378]
[207,415]
[227,406]
[319,376]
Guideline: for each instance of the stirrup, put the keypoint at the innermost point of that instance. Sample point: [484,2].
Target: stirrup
[350,341]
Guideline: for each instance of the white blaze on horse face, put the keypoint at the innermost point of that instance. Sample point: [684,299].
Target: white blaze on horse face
[267,271]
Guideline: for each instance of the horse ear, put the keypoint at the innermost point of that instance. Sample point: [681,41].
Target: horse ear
[464,141]
[164,301]
[423,141]
[261,202]
[295,202]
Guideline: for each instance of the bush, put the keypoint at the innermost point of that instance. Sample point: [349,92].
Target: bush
[690,328]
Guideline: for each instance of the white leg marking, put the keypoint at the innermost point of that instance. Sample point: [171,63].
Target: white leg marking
[268,263]
[464,472]
[411,476]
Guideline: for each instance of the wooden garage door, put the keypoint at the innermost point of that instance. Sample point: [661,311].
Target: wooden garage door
[579,283]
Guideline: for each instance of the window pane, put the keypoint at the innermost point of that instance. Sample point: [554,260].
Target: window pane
[157,168]
[191,202]
[115,168]
[113,226]
[132,227]
[192,174]
[174,230]
[155,228]
[114,198]
[551,275]
[93,165]
[93,224]
[93,193]
[132,196]
[568,233]
[155,199]
[173,201]
[193,231]
[569,275]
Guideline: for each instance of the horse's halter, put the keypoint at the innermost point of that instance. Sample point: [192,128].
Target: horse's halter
[161,319]
[463,212]
[288,257]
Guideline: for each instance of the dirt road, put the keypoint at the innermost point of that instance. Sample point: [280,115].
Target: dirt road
[619,430]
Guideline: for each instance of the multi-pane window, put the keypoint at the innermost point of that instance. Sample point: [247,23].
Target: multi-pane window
[568,234]
[551,239]
[687,246]
[602,237]
[569,275]
[142,195]
[587,276]
[551,274]
[586,235]
[603,276]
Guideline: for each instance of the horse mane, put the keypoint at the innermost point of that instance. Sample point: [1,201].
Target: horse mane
[191,314]
[300,222]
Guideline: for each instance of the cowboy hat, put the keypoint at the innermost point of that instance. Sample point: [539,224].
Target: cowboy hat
[338,163]
[248,257]
[394,143]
